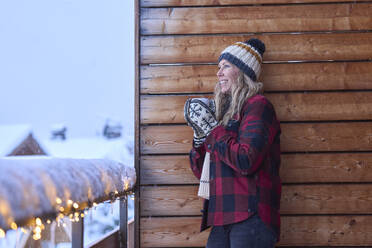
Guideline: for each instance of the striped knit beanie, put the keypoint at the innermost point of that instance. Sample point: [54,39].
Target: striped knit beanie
[247,56]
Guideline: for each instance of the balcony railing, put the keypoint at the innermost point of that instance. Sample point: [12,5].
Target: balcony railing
[37,190]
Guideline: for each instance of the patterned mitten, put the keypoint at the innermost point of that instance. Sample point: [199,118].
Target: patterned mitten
[199,113]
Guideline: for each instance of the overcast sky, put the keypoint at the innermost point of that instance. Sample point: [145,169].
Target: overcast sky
[66,61]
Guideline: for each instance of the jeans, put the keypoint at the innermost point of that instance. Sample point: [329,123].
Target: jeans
[252,233]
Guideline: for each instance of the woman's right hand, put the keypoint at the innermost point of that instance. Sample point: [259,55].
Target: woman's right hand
[199,113]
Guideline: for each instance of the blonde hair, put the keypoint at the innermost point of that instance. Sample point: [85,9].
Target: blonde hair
[230,103]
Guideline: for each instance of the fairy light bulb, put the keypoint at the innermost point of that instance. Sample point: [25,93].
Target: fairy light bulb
[58,200]
[37,230]
[49,221]
[69,202]
[2,233]
[23,230]
[60,216]
[13,225]
[75,205]
[38,221]
[36,236]
[82,215]
[126,185]
[61,209]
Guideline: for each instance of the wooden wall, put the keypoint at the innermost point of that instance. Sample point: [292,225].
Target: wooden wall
[318,75]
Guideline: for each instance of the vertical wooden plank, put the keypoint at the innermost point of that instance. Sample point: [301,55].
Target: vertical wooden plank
[77,235]
[123,237]
[137,123]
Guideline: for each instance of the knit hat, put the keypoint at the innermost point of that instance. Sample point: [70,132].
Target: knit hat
[247,56]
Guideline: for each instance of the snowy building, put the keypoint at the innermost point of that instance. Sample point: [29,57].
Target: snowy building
[18,140]
[118,149]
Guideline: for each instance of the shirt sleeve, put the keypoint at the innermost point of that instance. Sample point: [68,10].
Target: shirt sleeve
[196,156]
[243,145]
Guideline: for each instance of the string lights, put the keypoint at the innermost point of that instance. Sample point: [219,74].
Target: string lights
[50,190]
[71,210]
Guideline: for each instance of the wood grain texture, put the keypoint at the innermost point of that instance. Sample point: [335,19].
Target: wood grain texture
[165,139]
[173,169]
[296,231]
[354,136]
[172,232]
[253,19]
[276,77]
[288,106]
[295,137]
[335,196]
[326,167]
[172,3]
[296,199]
[280,47]
[295,168]
[170,201]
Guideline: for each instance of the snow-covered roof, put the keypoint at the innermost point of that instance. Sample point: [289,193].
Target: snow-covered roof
[30,185]
[11,136]
[119,149]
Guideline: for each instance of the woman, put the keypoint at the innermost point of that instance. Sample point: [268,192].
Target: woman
[244,148]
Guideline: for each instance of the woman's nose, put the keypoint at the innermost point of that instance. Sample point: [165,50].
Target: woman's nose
[219,72]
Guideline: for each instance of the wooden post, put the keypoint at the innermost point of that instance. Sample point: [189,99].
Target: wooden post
[123,232]
[77,234]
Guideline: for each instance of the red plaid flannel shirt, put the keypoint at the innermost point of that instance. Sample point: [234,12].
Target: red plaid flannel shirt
[244,173]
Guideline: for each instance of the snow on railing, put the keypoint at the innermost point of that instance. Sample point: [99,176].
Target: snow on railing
[39,190]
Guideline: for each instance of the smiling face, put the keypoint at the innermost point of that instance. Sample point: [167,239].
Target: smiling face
[227,75]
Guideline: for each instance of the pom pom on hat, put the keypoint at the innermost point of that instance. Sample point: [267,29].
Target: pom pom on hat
[257,44]
[247,56]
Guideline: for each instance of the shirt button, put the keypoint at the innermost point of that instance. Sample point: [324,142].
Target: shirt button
[209,146]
